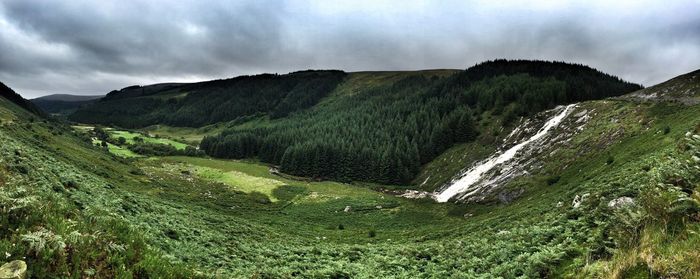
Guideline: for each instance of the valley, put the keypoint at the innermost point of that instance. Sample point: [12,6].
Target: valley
[152,205]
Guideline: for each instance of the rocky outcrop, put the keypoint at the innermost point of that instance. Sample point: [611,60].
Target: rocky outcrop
[621,202]
[13,270]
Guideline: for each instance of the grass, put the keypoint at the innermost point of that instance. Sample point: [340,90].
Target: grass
[117,150]
[241,181]
[129,136]
[186,134]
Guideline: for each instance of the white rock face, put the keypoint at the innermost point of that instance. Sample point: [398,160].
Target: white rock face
[347,209]
[621,202]
[469,182]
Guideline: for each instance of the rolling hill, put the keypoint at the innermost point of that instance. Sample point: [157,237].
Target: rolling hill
[368,126]
[608,190]
[63,104]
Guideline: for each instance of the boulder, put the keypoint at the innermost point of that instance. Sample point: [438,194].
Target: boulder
[13,270]
[621,202]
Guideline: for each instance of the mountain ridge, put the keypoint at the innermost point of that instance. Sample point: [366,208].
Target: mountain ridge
[67,97]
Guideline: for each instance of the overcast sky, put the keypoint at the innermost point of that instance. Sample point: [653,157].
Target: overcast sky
[93,47]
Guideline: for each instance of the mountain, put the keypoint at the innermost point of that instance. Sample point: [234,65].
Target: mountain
[597,188]
[63,104]
[368,126]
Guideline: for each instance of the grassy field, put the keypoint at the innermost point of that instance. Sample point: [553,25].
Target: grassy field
[185,134]
[130,135]
[117,150]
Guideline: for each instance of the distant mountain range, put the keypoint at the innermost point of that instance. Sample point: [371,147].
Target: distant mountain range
[62,104]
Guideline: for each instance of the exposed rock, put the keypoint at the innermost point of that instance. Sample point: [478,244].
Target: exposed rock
[621,202]
[467,215]
[560,204]
[347,209]
[578,200]
[415,194]
[13,270]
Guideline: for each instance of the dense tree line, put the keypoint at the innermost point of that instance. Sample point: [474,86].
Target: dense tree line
[199,104]
[385,133]
[157,149]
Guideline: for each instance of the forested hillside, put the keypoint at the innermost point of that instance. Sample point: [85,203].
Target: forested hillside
[198,104]
[381,127]
[384,132]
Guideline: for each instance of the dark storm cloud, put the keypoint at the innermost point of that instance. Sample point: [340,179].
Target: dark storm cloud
[88,47]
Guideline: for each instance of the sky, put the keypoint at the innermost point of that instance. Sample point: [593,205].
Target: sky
[92,47]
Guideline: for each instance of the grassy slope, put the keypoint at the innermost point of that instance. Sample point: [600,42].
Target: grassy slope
[360,81]
[60,206]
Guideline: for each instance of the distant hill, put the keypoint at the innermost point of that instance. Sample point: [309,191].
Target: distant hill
[9,94]
[63,104]
[68,98]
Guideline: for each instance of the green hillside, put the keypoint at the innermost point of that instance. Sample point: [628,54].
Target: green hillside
[199,104]
[372,126]
[385,131]
[72,209]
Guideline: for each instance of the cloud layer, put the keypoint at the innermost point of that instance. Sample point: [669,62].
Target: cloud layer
[89,47]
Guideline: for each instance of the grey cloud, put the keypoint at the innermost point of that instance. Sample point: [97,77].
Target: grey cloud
[88,47]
